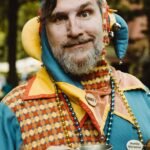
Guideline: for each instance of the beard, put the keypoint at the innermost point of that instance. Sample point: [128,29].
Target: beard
[79,61]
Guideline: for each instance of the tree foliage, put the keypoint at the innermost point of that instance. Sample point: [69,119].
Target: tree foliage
[13,16]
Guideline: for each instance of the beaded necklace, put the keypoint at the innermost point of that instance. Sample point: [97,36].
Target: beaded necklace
[114,88]
[136,124]
[112,107]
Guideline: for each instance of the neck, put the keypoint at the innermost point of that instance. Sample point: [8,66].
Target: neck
[98,78]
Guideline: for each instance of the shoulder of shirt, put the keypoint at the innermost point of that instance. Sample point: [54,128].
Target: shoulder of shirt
[14,97]
[128,82]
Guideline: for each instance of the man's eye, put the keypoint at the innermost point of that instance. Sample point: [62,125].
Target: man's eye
[85,14]
[59,19]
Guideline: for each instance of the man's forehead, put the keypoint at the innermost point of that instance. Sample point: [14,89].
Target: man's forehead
[70,5]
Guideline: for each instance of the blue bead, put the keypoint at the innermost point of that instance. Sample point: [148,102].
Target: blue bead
[79,129]
[71,109]
[64,95]
[112,104]
[113,95]
[80,135]
[112,86]
[108,134]
[69,104]
[112,109]
[73,114]
[81,141]
[111,113]
[109,129]
[110,123]
[75,118]
[113,91]
[76,123]
[111,118]
[67,100]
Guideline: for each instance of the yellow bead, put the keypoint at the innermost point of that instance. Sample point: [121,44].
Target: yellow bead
[61,115]
[66,132]
[68,140]
[63,123]
[67,135]
[61,111]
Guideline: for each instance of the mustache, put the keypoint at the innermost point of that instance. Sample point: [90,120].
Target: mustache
[78,41]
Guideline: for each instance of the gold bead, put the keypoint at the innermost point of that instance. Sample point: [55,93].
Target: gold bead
[59,106]
[61,111]
[140,135]
[63,122]
[68,140]
[67,135]
[126,103]
[61,115]
[66,132]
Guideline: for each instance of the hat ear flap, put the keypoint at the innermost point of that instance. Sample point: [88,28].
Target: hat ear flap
[120,39]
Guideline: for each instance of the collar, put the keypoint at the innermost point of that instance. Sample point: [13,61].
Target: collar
[42,86]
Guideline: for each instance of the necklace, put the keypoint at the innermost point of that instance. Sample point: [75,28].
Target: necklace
[59,105]
[114,88]
[111,114]
[73,115]
[75,119]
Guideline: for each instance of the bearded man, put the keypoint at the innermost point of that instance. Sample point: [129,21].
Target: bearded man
[76,100]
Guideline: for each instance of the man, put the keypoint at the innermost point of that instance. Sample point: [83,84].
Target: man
[76,99]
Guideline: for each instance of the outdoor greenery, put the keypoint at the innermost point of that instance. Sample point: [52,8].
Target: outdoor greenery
[13,15]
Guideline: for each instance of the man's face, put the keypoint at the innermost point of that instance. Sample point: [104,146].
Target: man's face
[75,34]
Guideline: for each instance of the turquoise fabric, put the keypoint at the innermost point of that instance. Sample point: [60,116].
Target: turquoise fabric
[10,135]
[52,65]
[122,130]
[121,38]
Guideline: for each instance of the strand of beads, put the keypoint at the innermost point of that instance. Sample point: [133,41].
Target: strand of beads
[112,106]
[75,119]
[62,117]
[136,124]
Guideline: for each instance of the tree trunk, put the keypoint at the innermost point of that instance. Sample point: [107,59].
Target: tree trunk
[12,77]
[147,9]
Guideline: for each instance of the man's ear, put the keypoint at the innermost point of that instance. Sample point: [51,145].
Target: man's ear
[119,28]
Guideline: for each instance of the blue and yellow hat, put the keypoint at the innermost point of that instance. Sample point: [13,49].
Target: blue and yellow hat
[112,23]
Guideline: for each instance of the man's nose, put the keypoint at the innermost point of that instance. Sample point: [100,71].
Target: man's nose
[74,28]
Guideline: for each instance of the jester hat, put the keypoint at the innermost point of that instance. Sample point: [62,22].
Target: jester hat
[112,23]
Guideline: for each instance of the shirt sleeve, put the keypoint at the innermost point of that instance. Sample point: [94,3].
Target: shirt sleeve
[10,135]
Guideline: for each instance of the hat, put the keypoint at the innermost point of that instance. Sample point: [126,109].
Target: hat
[32,43]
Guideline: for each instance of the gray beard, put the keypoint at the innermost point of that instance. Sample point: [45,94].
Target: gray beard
[67,60]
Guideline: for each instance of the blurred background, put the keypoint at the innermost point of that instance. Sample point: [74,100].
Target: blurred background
[16,67]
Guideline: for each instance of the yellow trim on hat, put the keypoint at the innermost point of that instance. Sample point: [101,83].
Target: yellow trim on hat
[112,19]
[31,39]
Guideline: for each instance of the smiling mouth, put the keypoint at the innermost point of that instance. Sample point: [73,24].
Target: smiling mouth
[77,44]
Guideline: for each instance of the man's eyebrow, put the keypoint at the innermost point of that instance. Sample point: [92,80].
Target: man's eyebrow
[85,5]
[63,13]
[58,14]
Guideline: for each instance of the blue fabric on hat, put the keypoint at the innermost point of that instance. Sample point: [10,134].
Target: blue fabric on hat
[52,65]
[121,38]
